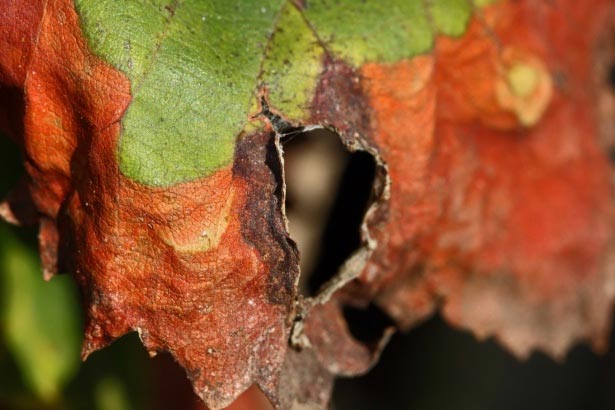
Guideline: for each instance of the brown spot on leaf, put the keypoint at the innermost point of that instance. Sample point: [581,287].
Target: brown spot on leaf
[339,100]
[263,224]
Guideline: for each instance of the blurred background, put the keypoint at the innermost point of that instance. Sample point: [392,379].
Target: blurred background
[432,367]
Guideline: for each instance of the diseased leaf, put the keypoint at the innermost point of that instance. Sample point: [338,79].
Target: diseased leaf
[174,264]
[151,136]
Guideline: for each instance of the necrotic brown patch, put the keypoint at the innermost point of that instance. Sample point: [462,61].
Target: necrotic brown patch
[339,100]
[262,221]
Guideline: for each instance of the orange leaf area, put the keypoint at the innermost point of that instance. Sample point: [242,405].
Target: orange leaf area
[501,197]
[202,269]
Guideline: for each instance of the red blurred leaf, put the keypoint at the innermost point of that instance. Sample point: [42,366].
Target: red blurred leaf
[501,203]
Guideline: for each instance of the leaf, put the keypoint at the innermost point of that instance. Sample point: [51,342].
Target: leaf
[40,324]
[507,221]
[151,136]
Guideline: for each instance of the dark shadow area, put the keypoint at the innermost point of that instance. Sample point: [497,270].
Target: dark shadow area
[436,367]
[12,112]
[12,165]
[173,390]
[11,380]
[172,387]
[11,162]
[367,325]
[118,376]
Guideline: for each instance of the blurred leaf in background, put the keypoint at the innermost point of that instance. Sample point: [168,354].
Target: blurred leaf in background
[40,321]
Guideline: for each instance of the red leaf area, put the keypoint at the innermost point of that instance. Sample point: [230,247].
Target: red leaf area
[508,226]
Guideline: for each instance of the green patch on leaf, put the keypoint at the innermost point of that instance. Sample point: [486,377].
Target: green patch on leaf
[450,17]
[40,321]
[483,3]
[193,67]
[362,31]
[292,64]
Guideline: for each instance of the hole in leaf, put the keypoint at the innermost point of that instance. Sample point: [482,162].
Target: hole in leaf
[367,325]
[328,191]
